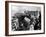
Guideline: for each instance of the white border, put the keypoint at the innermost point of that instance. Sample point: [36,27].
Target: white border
[24,32]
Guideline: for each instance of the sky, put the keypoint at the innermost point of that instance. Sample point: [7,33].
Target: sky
[21,9]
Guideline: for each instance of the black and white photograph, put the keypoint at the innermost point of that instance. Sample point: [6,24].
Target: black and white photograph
[25,18]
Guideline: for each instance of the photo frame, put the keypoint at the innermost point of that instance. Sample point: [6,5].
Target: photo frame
[24,18]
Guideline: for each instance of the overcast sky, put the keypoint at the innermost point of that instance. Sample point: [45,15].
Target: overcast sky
[21,9]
